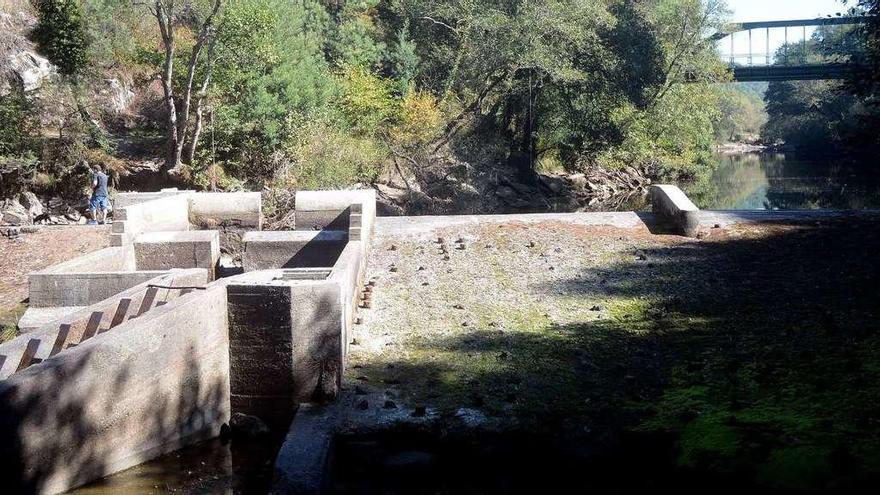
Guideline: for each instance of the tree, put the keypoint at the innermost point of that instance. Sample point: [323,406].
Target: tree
[60,34]
[169,15]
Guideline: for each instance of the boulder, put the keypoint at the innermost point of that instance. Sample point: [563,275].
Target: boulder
[13,213]
[31,203]
[30,69]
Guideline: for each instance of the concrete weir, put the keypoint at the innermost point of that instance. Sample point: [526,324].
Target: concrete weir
[140,351]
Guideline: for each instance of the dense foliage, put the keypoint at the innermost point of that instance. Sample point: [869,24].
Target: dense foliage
[61,34]
[819,118]
[324,93]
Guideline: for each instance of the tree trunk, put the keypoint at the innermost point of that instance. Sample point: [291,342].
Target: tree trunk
[166,28]
[178,120]
[193,142]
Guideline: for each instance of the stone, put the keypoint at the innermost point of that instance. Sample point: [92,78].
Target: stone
[31,203]
[389,404]
[15,217]
[247,425]
[363,405]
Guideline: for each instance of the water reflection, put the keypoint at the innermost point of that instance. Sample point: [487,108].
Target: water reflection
[209,467]
[774,182]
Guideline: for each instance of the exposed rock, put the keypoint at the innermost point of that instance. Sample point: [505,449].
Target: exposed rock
[31,203]
[13,213]
[28,69]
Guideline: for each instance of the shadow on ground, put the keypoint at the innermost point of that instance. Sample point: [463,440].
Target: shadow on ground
[746,361]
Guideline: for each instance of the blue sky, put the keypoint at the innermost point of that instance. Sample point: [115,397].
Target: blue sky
[773,10]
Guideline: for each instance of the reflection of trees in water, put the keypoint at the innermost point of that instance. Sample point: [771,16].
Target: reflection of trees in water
[736,179]
[754,181]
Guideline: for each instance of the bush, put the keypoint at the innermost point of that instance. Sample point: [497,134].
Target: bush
[325,157]
[420,119]
[60,34]
[366,100]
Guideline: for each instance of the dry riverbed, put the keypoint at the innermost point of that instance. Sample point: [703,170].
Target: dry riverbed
[35,251]
[754,351]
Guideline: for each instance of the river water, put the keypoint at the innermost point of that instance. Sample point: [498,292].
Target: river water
[774,181]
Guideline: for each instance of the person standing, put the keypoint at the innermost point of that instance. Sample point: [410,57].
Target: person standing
[99,201]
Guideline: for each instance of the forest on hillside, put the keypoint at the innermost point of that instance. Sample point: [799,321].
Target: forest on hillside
[429,96]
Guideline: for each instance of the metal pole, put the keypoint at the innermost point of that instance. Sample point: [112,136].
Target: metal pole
[750,47]
[804,48]
[732,56]
[767,53]
[785,50]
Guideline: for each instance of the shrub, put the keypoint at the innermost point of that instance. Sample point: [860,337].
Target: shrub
[366,100]
[60,34]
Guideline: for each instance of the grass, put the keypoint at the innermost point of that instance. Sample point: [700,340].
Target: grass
[9,322]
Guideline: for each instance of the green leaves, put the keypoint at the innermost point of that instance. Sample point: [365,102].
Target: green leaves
[60,34]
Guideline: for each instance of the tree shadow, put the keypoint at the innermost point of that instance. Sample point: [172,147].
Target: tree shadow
[755,358]
[111,403]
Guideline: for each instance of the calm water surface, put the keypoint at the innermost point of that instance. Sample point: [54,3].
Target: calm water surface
[755,181]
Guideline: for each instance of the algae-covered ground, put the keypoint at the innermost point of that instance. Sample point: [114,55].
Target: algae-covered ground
[754,351]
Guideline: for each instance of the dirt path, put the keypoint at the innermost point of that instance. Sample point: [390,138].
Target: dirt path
[35,251]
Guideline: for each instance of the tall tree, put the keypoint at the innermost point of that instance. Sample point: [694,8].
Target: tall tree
[169,15]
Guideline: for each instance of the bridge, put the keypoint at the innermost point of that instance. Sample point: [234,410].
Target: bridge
[796,64]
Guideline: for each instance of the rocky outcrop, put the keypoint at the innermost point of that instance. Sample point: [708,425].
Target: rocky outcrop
[28,209]
[29,70]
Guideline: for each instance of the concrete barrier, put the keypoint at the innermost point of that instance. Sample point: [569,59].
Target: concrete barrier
[241,209]
[148,387]
[170,213]
[167,250]
[331,210]
[126,199]
[671,204]
[48,339]
[292,248]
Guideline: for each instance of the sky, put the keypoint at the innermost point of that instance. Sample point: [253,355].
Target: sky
[773,10]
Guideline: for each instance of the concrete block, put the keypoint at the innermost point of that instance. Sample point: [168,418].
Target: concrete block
[126,199]
[188,249]
[331,209]
[260,367]
[291,249]
[671,204]
[303,463]
[243,209]
[148,387]
[34,318]
[168,213]
[82,289]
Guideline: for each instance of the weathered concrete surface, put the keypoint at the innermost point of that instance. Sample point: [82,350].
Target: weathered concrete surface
[101,316]
[242,209]
[672,204]
[710,218]
[167,250]
[292,248]
[425,226]
[34,318]
[303,464]
[260,340]
[49,290]
[331,210]
[170,213]
[126,199]
[149,386]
